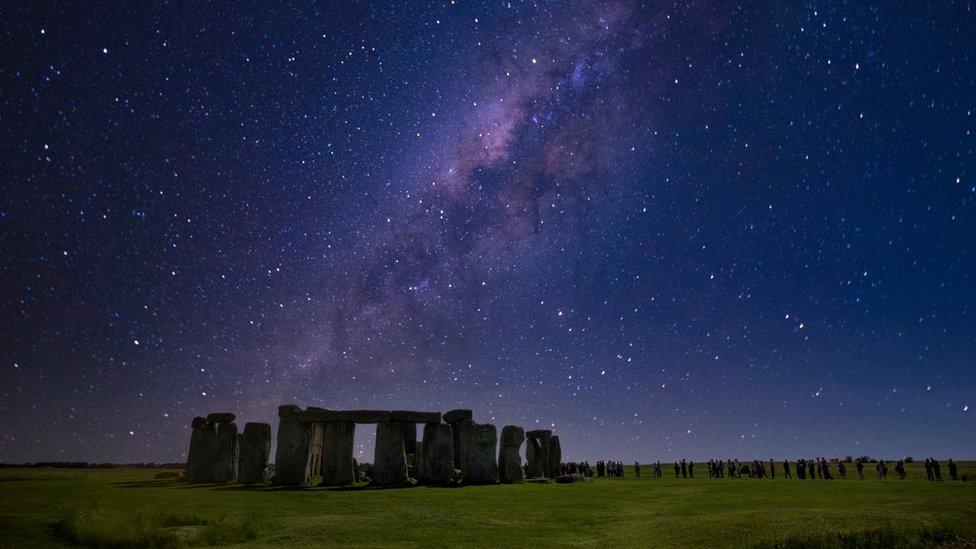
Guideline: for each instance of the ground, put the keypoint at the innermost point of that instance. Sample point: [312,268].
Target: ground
[124,507]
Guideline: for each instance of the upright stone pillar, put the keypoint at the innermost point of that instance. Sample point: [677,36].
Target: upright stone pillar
[479,441]
[459,420]
[223,467]
[437,453]
[409,437]
[536,452]
[338,467]
[390,458]
[509,460]
[200,455]
[554,457]
[255,452]
[293,457]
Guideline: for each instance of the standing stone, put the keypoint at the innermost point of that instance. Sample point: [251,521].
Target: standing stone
[458,420]
[221,417]
[390,458]
[536,452]
[255,452]
[509,460]
[409,437]
[554,457]
[479,441]
[295,457]
[338,467]
[437,453]
[226,453]
[199,456]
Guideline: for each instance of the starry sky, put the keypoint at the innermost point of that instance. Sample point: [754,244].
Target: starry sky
[665,230]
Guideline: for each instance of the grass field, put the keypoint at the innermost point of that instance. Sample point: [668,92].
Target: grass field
[126,507]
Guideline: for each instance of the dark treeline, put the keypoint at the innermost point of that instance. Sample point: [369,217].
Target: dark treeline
[86,465]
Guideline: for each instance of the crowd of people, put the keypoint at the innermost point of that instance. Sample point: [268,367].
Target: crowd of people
[576,467]
[612,469]
[802,469]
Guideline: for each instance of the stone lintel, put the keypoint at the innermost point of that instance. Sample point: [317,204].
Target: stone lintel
[321,415]
[406,416]
[539,433]
[456,416]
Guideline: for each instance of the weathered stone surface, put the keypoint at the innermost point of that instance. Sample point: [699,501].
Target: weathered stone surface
[221,417]
[286,410]
[390,459]
[509,459]
[338,466]
[316,415]
[455,416]
[407,416]
[479,440]
[437,454]
[324,415]
[203,441]
[409,438]
[363,416]
[295,457]
[255,444]
[459,420]
[535,456]
[539,433]
[226,453]
[460,431]
[575,477]
[554,456]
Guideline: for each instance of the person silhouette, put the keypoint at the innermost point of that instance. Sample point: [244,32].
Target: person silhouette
[953,470]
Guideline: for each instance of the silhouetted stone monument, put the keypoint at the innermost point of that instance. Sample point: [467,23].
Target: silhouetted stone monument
[214,449]
[437,454]
[554,455]
[390,458]
[536,452]
[338,466]
[479,441]
[255,444]
[509,459]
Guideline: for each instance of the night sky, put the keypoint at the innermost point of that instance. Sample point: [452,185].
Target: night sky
[664,230]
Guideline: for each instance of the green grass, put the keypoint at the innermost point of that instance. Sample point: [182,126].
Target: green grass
[130,507]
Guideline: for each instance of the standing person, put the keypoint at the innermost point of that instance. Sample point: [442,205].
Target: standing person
[786,469]
[953,470]
[637,469]
[801,469]
[900,469]
[772,469]
[684,469]
[811,468]
[860,469]
[842,469]
[937,469]
[928,469]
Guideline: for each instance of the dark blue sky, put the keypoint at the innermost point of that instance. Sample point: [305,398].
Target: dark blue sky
[665,230]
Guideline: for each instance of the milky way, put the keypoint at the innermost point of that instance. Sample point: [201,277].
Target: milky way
[664,230]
